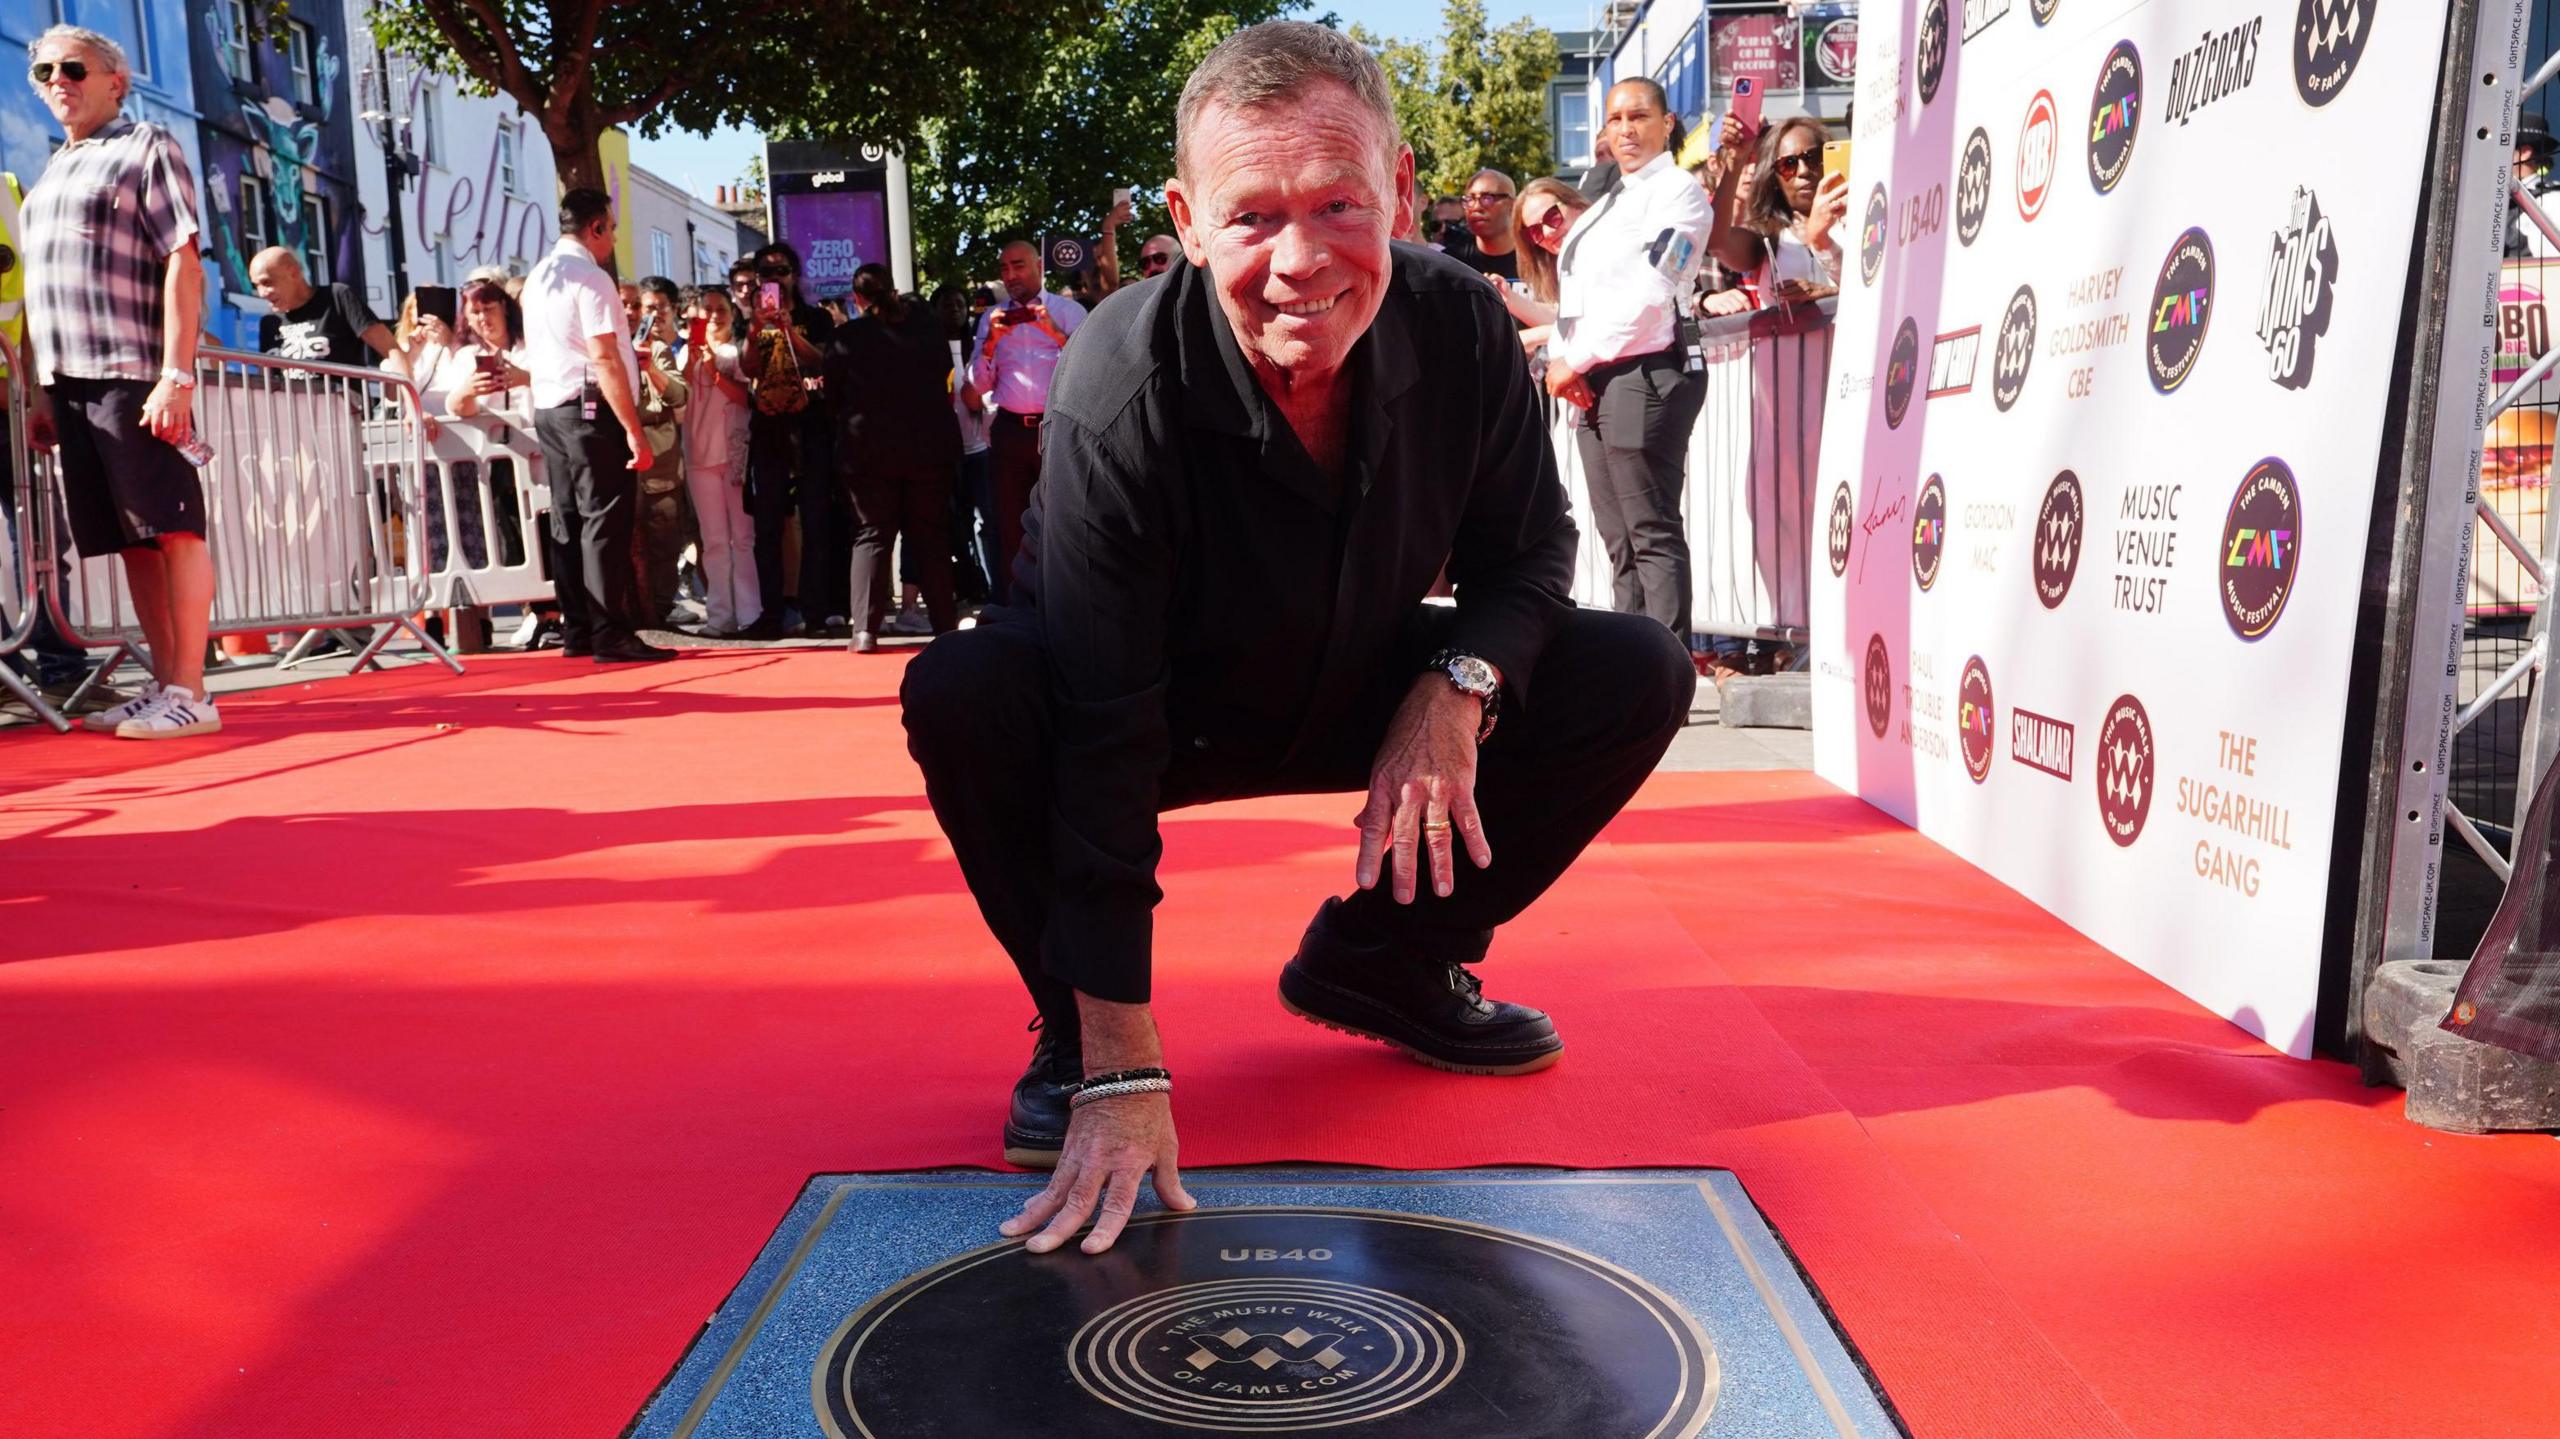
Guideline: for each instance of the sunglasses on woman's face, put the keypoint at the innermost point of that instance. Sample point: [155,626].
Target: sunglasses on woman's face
[42,71]
[1801,162]
[1545,218]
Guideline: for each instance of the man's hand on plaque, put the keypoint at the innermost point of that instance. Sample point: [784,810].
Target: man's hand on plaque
[1422,791]
[1112,1145]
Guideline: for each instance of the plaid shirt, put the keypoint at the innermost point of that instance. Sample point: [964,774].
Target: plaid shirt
[98,229]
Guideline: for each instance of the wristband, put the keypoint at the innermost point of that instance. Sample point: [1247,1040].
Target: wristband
[172,375]
[1120,1074]
[1096,1093]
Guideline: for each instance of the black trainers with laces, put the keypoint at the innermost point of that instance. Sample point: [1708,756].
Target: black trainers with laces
[1035,1129]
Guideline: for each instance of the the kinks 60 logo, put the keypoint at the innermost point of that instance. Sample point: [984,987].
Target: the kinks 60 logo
[1872,235]
[2329,39]
[2115,117]
[1901,373]
[2128,756]
[2261,549]
[2302,275]
[1842,532]
[1973,186]
[2059,523]
[1929,531]
[1974,718]
[1878,684]
[2181,311]
[1931,58]
[2039,149]
[2016,350]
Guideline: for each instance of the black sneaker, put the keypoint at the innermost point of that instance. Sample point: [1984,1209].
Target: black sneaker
[1035,1129]
[1433,1010]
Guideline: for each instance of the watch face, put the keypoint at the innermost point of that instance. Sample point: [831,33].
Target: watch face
[1473,675]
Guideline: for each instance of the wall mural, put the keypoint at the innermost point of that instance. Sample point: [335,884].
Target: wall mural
[301,156]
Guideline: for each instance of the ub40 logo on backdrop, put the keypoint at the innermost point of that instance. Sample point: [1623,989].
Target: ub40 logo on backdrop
[2127,758]
[2223,65]
[2329,39]
[1973,186]
[2059,522]
[1974,718]
[1932,53]
[1901,373]
[2016,350]
[1877,682]
[2039,150]
[1929,532]
[2181,311]
[1872,236]
[2261,549]
[2302,276]
[2115,117]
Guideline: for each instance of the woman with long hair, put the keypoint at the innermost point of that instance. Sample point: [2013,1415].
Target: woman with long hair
[483,374]
[1785,233]
[715,463]
[1624,275]
[1540,218]
[897,447]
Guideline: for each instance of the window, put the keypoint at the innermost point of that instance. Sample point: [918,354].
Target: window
[507,141]
[118,20]
[1683,76]
[1573,126]
[297,42]
[257,231]
[316,232]
[662,253]
[236,59]
[426,123]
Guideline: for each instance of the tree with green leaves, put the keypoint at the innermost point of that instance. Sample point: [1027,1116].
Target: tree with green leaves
[1037,150]
[879,70]
[1478,102]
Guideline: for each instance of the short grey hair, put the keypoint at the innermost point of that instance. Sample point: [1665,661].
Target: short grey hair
[1273,62]
[108,51]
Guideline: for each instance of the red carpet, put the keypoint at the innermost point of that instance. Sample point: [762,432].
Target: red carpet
[427,1056]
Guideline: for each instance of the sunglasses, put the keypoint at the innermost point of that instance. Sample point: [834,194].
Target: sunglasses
[1549,219]
[778,273]
[42,71]
[1152,263]
[1803,161]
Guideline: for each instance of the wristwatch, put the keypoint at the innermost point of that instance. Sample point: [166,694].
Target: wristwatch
[1473,676]
[172,375]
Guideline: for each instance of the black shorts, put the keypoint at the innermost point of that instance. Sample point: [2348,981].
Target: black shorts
[122,486]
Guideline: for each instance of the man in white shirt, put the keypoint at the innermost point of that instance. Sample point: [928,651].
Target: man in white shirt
[1017,353]
[586,387]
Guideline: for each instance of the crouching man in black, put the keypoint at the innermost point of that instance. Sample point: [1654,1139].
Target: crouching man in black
[1256,466]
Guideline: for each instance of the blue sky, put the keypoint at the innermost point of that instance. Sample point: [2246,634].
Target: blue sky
[702,162]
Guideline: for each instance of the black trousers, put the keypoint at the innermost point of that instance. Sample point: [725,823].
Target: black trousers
[1611,690]
[1635,453]
[593,501]
[1013,451]
[892,501]
[790,469]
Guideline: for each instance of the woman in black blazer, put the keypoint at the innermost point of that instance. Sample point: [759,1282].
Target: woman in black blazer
[889,377]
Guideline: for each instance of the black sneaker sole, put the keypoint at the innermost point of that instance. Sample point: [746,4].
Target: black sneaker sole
[1026,1152]
[1530,1065]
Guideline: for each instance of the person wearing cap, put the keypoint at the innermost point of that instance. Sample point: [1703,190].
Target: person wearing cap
[2534,148]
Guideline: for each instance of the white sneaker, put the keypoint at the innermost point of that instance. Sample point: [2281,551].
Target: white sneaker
[107,721]
[178,714]
[909,622]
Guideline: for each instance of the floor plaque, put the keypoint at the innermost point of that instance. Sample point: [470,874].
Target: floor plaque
[1488,1304]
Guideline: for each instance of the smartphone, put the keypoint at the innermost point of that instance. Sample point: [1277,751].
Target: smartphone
[770,293]
[439,301]
[696,332]
[1747,102]
[1119,197]
[492,365]
[1835,159]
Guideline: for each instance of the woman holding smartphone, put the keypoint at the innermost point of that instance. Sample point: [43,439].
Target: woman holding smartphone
[715,462]
[1623,278]
[1786,234]
[485,376]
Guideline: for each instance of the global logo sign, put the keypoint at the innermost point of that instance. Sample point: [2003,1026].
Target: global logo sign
[2127,758]
[1842,532]
[2115,117]
[1835,52]
[1929,532]
[1878,684]
[2329,39]
[1932,55]
[2302,274]
[2261,549]
[2060,521]
[2017,349]
[1901,373]
[1973,186]
[2039,148]
[1872,236]
[2181,311]
[1975,718]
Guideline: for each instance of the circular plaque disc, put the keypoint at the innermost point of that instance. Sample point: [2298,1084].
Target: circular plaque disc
[1278,1320]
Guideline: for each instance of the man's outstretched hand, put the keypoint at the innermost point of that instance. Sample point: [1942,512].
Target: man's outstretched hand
[1422,791]
[1112,1144]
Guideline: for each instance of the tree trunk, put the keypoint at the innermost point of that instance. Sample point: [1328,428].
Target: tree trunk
[578,155]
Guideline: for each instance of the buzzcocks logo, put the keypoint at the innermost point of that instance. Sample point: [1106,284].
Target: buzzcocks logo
[2302,275]
[2223,65]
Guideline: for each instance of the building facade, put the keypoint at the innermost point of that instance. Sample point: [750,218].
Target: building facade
[1802,53]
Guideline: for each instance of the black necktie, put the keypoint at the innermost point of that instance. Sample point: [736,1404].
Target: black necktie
[1573,246]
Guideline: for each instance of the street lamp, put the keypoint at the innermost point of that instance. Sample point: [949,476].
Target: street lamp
[383,89]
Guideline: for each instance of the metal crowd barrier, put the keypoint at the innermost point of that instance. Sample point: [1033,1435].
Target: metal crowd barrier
[313,500]
[1753,462]
[21,598]
[486,494]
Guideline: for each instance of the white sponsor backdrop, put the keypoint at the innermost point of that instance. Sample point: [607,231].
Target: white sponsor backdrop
[2170,264]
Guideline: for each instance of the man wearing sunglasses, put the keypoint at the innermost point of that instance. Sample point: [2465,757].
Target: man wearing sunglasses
[114,298]
[1157,255]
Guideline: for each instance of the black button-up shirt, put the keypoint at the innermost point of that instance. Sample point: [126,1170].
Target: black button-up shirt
[1200,581]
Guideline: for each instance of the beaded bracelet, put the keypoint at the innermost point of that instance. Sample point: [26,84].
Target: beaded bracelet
[1117,1089]
[1117,1075]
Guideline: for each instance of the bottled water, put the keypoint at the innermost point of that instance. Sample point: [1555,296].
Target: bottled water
[193,447]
